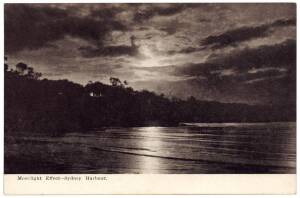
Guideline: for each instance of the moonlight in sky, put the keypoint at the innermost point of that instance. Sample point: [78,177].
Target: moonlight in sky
[241,53]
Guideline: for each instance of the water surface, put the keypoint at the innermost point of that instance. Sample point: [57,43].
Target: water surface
[194,148]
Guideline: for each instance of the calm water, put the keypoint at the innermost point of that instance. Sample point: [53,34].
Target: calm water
[196,148]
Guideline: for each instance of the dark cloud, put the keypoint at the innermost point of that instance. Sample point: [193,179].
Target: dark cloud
[120,50]
[204,20]
[267,56]
[152,10]
[32,27]
[278,55]
[283,22]
[187,50]
[235,36]
[234,76]
[266,71]
[143,28]
[105,13]
[112,51]
[171,27]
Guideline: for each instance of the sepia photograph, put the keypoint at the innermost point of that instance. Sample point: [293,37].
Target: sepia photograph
[150,88]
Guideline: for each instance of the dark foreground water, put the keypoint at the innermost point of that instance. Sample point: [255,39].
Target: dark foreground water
[196,148]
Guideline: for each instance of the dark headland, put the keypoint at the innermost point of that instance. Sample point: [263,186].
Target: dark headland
[53,107]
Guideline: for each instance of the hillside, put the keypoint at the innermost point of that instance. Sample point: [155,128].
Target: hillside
[54,107]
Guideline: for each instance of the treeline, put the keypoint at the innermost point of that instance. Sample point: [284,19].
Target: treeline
[55,107]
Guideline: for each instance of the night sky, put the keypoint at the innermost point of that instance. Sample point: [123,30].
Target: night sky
[242,53]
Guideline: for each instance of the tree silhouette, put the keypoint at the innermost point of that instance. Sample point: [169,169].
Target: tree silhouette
[5,64]
[21,67]
[36,75]
[115,81]
[30,71]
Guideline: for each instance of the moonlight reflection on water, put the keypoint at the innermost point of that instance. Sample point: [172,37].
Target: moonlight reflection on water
[153,144]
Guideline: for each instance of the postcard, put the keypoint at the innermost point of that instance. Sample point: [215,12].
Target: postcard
[150,98]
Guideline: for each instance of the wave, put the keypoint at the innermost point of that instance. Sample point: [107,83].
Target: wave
[287,164]
[241,124]
[223,158]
